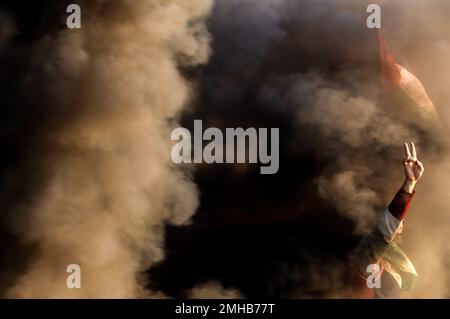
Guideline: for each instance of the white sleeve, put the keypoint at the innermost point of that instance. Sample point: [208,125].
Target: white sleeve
[389,225]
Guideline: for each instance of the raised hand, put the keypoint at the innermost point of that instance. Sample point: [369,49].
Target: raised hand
[413,167]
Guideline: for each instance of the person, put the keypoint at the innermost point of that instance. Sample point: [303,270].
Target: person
[380,251]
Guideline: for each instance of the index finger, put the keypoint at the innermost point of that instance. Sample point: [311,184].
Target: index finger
[407,152]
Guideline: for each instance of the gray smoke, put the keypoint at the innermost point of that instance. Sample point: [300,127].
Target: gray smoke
[111,98]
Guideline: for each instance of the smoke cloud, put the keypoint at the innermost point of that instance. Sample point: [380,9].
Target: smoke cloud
[7,29]
[86,127]
[104,100]
[311,68]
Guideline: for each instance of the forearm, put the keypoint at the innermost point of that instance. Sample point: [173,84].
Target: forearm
[399,205]
[408,186]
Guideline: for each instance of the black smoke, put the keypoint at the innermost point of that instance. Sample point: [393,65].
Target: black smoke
[308,67]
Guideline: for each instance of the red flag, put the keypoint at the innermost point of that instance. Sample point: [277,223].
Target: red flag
[395,76]
[390,75]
